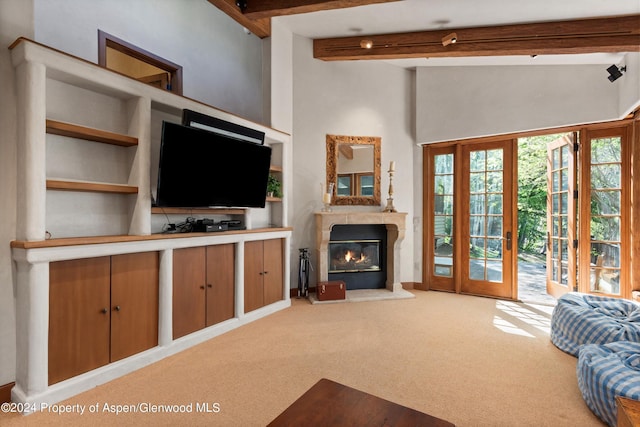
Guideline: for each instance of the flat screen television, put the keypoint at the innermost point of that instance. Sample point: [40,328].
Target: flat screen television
[198,168]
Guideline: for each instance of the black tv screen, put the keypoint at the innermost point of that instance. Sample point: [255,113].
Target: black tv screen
[199,168]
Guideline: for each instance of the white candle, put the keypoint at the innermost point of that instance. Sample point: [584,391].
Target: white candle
[392,166]
[326,198]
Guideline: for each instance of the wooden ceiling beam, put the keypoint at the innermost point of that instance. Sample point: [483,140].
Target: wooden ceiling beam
[256,17]
[259,27]
[258,9]
[597,35]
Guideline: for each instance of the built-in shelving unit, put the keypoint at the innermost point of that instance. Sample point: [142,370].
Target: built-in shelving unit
[88,147]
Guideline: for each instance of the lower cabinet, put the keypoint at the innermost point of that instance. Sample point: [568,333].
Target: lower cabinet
[263,273]
[101,310]
[203,287]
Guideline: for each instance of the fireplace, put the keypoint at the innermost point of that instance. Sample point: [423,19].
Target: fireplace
[389,233]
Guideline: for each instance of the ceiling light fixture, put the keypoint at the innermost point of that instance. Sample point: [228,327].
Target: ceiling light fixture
[449,39]
[615,72]
[366,44]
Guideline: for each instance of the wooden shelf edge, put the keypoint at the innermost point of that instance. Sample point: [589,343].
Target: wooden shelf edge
[205,211]
[274,168]
[274,199]
[95,187]
[56,127]
[95,240]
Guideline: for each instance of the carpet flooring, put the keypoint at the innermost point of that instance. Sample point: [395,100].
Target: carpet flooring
[469,360]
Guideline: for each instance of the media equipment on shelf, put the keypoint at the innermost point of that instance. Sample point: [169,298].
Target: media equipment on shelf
[199,168]
[209,226]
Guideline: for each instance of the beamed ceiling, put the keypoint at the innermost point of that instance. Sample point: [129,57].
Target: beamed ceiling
[579,36]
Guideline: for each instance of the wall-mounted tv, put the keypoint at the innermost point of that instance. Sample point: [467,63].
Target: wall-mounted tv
[198,168]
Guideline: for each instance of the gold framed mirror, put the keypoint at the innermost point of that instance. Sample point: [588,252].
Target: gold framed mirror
[353,167]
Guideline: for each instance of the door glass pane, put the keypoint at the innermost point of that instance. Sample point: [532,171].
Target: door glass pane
[605,221]
[476,225]
[486,183]
[494,204]
[494,226]
[565,156]
[443,215]
[476,203]
[477,161]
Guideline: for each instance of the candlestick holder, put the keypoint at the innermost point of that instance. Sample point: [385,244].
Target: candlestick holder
[326,198]
[390,207]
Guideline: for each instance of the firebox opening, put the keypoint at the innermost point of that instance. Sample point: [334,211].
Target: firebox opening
[357,255]
[354,256]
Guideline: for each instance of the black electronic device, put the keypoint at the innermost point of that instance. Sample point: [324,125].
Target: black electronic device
[233,224]
[222,127]
[209,226]
[199,168]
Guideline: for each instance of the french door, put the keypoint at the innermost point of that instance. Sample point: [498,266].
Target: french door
[561,215]
[486,235]
[469,238]
[588,230]
[605,212]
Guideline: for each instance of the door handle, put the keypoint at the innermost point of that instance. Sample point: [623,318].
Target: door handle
[508,240]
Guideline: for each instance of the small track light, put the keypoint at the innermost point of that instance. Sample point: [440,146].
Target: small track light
[615,72]
[449,39]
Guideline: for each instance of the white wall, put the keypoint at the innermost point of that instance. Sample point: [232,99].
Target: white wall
[222,65]
[16,19]
[629,84]
[465,102]
[350,98]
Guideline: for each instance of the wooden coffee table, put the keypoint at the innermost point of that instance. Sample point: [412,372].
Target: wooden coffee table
[329,403]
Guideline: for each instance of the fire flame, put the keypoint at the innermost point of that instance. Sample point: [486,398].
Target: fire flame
[349,256]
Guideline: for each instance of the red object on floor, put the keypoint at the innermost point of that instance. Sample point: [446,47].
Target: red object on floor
[328,291]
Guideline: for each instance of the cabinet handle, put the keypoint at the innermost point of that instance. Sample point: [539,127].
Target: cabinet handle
[202,287]
[104,311]
[209,285]
[261,273]
[117,308]
[266,272]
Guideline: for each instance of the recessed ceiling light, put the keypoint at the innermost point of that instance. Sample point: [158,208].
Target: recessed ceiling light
[366,44]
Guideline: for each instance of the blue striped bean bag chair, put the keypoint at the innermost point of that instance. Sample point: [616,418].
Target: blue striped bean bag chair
[606,371]
[579,319]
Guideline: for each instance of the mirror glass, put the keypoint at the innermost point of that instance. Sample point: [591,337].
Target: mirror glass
[353,166]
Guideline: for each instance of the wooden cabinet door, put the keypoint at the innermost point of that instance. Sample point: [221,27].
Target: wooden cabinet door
[188,290]
[253,276]
[220,304]
[79,299]
[273,271]
[134,303]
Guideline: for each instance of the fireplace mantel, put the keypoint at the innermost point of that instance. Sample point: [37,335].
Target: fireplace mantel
[395,223]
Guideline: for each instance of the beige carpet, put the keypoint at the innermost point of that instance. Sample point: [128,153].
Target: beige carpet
[469,360]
